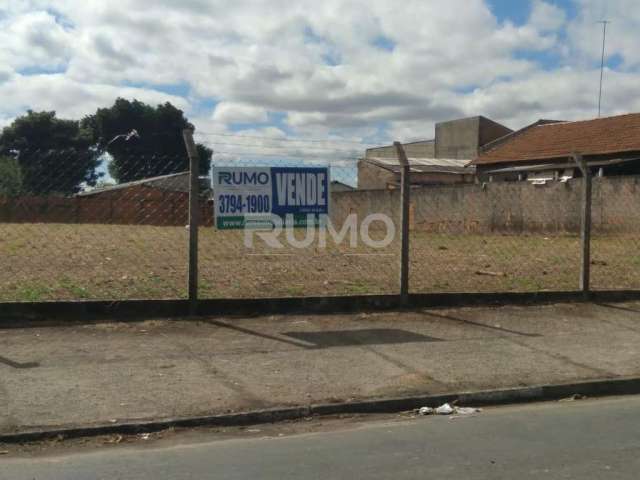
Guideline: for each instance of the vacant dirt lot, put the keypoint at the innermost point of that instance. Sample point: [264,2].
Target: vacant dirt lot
[61,261]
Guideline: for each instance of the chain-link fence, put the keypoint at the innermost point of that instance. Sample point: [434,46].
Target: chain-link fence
[303,261]
[615,243]
[70,229]
[497,237]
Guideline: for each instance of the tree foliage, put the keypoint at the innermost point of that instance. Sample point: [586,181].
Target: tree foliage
[10,177]
[54,155]
[157,148]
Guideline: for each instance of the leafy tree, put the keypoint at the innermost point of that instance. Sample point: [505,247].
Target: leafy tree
[10,177]
[54,155]
[156,148]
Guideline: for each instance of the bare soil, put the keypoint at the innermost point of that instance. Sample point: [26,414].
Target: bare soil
[65,261]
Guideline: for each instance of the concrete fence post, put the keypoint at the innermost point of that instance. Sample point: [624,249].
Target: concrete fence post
[405,191]
[585,225]
[194,208]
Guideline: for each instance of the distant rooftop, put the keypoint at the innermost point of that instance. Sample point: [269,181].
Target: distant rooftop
[176,182]
[545,140]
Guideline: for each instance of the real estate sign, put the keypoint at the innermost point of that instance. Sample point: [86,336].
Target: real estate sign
[246,197]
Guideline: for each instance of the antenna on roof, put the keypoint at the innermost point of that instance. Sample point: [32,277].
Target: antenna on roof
[604,37]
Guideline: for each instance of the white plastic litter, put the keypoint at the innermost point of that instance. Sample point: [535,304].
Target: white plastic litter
[444,409]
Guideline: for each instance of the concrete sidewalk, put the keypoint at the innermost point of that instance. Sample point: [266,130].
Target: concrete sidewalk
[116,372]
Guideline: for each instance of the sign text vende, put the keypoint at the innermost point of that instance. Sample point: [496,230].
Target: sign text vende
[246,197]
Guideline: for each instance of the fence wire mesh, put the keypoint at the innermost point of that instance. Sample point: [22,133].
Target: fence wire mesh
[73,227]
[67,233]
[309,261]
[615,243]
[497,237]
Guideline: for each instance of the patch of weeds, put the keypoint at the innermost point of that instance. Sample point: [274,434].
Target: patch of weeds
[361,288]
[76,291]
[14,247]
[156,279]
[295,291]
[33,293]
[526,284]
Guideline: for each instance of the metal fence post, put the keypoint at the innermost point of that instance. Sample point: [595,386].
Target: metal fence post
[194,207]
[405,189]
[585,226]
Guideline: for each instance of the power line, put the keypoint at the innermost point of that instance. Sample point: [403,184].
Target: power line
[287,156]
[279,147]
[303,140]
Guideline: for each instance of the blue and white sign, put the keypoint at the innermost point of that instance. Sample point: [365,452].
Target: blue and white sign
[246,197]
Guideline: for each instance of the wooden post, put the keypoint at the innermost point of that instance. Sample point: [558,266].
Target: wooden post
[585,226]
[194,184]
[405,190]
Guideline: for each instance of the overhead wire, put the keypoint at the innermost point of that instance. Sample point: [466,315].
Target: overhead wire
[287,139]
[278,147]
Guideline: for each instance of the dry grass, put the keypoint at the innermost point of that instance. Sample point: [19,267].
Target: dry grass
[55,261]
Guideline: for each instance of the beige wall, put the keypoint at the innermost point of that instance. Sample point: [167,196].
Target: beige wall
[372,177]
[462,138]
[505,207]
[425,149]
[457,138]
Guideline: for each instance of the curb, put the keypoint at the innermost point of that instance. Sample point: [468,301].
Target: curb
[594,388]
[18,314]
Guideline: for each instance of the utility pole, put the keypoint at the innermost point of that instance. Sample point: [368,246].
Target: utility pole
[604,37]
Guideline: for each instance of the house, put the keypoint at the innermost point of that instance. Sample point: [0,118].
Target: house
[441,160]
[542,151]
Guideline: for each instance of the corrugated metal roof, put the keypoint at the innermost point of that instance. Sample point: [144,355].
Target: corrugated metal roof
[447,165]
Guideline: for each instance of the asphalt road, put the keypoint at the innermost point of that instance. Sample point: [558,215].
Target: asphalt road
[589,439]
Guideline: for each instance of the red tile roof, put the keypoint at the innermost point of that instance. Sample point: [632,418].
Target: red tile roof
[544,141]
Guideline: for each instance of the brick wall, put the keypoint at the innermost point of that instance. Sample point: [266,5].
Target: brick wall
[131,206]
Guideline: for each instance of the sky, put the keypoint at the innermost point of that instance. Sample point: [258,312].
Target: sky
[328,77]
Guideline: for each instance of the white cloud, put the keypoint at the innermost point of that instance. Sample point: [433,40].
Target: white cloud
[232,112]
[316,62]
[546,17]
[623,34]
[71,99]
[34,39]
